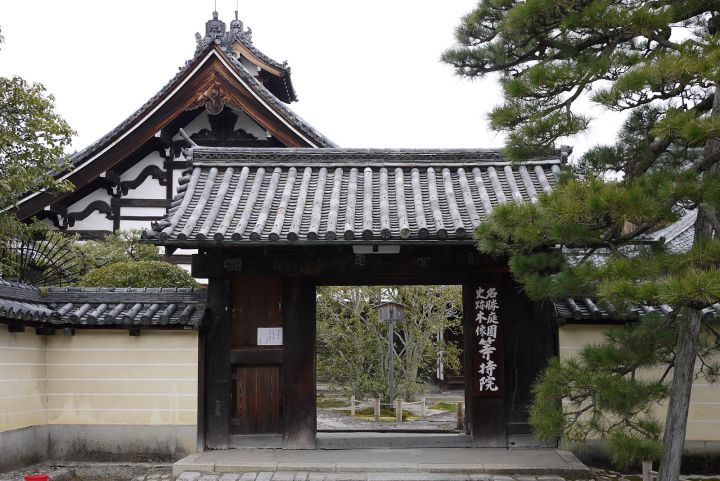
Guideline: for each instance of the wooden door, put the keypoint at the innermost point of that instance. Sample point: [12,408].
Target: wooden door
[256,400]
[256,370]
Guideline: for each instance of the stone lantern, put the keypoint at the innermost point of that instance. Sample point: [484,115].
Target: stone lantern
[390,312]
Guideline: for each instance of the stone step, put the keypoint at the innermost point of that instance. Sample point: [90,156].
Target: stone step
[421,461]
[356,476]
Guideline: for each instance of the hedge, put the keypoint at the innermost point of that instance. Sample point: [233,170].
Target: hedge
[138,274]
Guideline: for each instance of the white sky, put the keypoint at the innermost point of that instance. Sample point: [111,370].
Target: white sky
[367,72]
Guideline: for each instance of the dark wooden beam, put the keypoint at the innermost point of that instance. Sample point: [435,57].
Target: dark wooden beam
[332,265]
[252,357]
[217,367]
[45,331]
[16,328]
[201,390]
[299,386]
[124,202]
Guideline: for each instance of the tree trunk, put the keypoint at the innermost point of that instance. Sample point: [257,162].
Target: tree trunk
[677,414]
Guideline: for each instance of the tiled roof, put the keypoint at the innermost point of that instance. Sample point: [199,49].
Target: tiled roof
[232,195]
[585,310]
[98,307]
[680,235]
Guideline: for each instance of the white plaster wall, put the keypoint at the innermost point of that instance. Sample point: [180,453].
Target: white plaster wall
[23,380]
[134,224]
[248,125]
[249,66]
[196,125]
[97,377]
[153,159]
[150,189]
[99,194]
[108,377]
[95,221]
[143,211]
[176,174]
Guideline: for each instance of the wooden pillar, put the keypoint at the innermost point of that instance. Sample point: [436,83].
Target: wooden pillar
[201,412]
[299,401]
[484,412]
[217,366]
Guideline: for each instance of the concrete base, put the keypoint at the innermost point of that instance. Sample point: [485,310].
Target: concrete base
[23,447]
[106,443]
[146,444]
[434,460]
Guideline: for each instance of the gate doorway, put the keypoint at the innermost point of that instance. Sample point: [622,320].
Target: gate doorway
[358,345]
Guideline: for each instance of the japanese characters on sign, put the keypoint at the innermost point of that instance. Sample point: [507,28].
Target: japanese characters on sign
[270,336]
[488,353]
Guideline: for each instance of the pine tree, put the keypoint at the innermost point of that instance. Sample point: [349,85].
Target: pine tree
[657,61]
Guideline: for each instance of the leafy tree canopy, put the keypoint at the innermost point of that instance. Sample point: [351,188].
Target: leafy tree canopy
[33,139]
[353,350]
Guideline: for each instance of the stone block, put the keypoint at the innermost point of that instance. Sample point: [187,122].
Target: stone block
[230,477]
[189,476]
[283,476]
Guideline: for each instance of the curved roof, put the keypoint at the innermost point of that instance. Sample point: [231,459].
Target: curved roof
[243,196]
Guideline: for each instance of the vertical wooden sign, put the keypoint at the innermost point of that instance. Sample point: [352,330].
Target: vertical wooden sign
[488,356]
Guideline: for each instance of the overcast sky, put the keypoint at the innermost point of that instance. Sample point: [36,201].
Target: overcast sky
[367,72]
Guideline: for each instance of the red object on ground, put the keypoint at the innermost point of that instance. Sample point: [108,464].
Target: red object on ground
[36,477]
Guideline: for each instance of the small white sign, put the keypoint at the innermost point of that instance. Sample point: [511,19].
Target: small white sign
[270,336]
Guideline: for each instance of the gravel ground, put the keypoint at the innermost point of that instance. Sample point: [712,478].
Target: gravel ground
[332,419]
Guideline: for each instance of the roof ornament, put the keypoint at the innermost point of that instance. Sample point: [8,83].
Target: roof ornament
[236,25]
[215,28]
[216,31]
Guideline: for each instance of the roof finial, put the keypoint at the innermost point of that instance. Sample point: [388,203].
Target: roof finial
[236,25]
[215,28]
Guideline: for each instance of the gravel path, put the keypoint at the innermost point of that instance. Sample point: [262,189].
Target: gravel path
[334,420]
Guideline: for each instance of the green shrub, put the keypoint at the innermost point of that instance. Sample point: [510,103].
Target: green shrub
[138,274]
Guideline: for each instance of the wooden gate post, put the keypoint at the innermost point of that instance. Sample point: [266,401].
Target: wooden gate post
[217,367]
[485,416]
[299,390]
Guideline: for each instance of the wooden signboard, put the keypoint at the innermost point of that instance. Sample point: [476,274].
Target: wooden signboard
[487,355]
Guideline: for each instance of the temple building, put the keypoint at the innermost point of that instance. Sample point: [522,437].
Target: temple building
[217,169]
